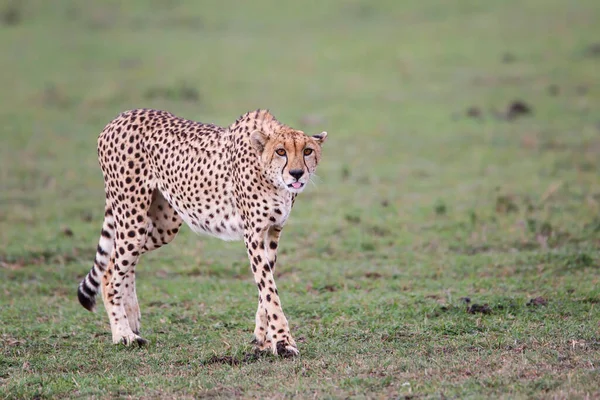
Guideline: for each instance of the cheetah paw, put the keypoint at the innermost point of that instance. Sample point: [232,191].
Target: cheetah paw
[280,348]
[262,345]
[285,350]
[131,340]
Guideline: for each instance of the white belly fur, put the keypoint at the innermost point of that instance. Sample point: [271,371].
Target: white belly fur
[232,229]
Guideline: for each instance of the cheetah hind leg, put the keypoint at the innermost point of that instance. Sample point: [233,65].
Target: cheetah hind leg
[163,225]
[110,307]
[118,282]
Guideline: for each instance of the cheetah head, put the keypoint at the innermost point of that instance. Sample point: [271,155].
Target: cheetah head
[288,157]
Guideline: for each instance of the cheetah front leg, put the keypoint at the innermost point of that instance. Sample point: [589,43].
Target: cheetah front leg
[272,329]
[262,323]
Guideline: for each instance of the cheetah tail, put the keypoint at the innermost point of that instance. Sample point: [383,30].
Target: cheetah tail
[90,285]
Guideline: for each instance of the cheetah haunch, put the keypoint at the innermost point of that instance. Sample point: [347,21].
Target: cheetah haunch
[234,183]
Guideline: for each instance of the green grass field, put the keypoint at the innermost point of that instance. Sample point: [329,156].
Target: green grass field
[449,248]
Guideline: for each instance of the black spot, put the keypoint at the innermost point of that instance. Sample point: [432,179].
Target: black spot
[101,251]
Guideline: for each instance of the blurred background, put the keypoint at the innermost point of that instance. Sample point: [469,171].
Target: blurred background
[462,157]
[416,96]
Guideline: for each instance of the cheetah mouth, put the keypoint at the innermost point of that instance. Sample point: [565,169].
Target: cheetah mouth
[296,185]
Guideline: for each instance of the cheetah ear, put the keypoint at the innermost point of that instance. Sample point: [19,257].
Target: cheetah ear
[320,138]
[258,140]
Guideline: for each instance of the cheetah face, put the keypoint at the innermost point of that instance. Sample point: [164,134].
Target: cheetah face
[288,158]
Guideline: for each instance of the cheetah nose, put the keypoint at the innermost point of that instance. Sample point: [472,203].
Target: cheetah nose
[296,173]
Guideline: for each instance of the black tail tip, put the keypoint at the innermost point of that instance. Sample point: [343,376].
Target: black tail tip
[89,303]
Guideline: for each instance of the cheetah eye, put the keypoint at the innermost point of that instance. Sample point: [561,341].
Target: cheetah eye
[280,152]
[308,152]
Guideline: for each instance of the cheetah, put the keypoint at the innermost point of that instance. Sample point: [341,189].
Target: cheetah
[233,183]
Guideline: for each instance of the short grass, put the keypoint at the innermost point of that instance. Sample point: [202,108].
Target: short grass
[448,249]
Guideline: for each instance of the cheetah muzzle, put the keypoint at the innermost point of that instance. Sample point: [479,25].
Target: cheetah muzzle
[233,183]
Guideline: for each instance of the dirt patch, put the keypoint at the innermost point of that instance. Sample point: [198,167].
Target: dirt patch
[476,308]
[518,108]
[11,15]
[512,111]
[474,112]
[471,308]
[508,305]
[472,250]
[19,261]
[506,204]
[537,301]
[379,231]
[329,288]
[508,58]
[593,50]
[182,92]
[479,309]
[441,310]
[86,216]
[247,358]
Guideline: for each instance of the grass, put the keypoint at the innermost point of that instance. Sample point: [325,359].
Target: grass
[449,249]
